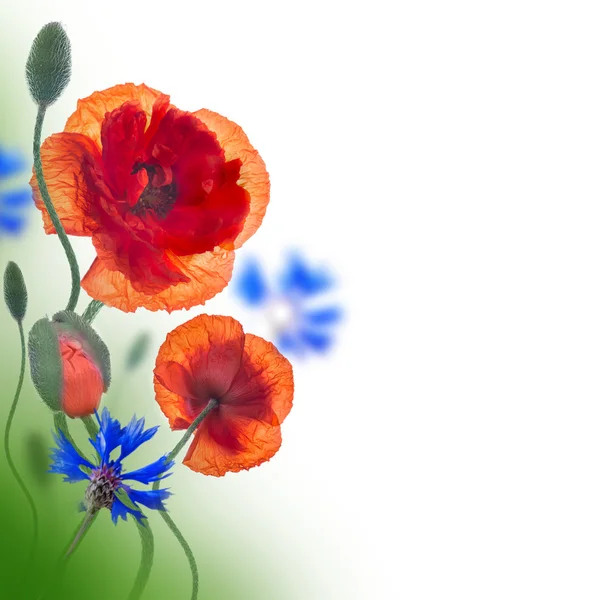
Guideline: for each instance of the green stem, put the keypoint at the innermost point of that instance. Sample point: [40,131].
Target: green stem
[90,517]
[91,426]
[167,519]
[9,459]
[62,236]
[143,574]
[92,310]
[186,436]
[76,539]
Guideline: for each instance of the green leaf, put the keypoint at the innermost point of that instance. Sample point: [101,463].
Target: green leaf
[71,323]
[15,292]
[45,363]
[48,67]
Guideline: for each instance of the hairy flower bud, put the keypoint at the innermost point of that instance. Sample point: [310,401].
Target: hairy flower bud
[15,292]
[70,364]
[49,64]
[82,383]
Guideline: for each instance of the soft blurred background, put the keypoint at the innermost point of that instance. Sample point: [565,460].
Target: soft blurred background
[440,160]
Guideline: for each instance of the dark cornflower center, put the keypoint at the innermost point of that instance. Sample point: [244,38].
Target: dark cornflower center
[100,492]
[159,200]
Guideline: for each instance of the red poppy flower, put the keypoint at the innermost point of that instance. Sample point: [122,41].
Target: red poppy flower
[165,195]
[210,357]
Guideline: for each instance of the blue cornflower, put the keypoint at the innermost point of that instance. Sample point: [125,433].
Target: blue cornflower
[292,303]
[12,201]
[106,478]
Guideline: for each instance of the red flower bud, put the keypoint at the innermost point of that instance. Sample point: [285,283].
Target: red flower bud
[82,383]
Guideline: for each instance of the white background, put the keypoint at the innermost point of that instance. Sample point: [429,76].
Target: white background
[443,158]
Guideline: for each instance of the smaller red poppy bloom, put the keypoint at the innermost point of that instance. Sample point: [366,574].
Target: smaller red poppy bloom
[210,357]
[82,382]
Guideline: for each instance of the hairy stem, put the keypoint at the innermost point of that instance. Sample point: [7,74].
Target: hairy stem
[190,430]
[62,236]
[9,459]
[91,426]
[90,517]
[92,310]
[147,558]
[167,519]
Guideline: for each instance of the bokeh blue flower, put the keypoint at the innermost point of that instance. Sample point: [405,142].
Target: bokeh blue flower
[13,202]
[107,477]
[300,319]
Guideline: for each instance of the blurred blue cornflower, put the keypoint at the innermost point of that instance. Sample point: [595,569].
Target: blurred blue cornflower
[12,202]
[107,478]
[293,303]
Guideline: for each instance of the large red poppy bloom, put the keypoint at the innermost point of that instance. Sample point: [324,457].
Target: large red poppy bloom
[210,357]
[166,196]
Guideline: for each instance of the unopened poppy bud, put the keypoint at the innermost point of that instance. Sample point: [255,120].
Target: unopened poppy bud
[82,384]
[49,64]
[15,292]
[70,364]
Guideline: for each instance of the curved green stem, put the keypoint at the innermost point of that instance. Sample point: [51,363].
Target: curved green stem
[167,519]
[143,574]
[60,230]
[9,459]
[92,310]
[90,517]
[76,539]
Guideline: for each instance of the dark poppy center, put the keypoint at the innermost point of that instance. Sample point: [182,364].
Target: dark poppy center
[158,199]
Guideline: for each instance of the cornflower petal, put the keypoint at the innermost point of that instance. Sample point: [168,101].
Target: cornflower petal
[119,509]
[12,224]
[321,342]
[109,435]
[16,198]
[150,498]
[322,316]
[153,472]
[251,284]
[134,436]
[67,461]
[288,342]
[298,278]
[10,163]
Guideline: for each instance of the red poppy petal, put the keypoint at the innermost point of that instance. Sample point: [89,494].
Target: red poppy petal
[264,386]
[253,173]
[90,113]
[208,274]
[68,161]
[123,134]
[211,451]
[208,351]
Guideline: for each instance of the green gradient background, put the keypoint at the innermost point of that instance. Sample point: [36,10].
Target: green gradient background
[106,563]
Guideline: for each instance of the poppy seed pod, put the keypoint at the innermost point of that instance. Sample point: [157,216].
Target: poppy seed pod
[70,364]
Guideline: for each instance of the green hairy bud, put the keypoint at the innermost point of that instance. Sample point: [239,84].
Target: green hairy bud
[49,64]
[15,292]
